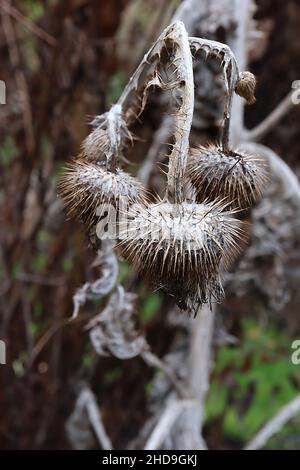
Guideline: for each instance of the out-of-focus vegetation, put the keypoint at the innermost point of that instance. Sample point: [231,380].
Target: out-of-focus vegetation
[252,381]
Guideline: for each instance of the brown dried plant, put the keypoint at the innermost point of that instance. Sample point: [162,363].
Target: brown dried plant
[182,245]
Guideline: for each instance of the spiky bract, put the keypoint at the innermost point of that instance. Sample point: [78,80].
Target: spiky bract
[181,248]
[85,186]
[218,174]
[96,146]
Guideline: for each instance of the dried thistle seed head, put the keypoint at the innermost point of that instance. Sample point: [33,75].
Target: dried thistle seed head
[85,185]
[96,146]
[181,248]
[245,86]
[216,174]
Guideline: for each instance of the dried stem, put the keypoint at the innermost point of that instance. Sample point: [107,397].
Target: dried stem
[238,42]
[275,424]
[164,425]
[184,116]
[87,399]
[198,377]
[258,132]
[154,361]
[289,181]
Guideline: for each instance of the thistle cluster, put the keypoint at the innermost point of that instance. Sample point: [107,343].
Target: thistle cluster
[181,245]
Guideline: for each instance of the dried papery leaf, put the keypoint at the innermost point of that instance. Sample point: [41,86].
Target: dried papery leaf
[115,330]
[245,86]
[221,51]
[134,97]
[228,62]
[243,83]
[181,248]
[85,186]
[215,173]
[108,265]
[111,133]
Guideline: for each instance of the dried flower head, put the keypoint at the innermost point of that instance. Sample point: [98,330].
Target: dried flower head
[86,185]
[96,146]
[181,248]
[216,173]
[245,86]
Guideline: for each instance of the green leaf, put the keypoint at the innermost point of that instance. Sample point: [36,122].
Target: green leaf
[68,265]
[113,375]
[8,151]
[34,9]
[115,87]
[38,263]
[151,305]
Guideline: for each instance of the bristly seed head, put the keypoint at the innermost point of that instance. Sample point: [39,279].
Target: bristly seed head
[181,248]
[245,87]
[85,185]
[95,146]
[217,174]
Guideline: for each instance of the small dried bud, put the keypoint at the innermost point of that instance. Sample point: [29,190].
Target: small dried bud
[245,87]
[217,174]
[96,145]
[181,248]
[85,185]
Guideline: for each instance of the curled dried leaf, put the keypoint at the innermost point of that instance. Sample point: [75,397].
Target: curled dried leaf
[115,330]
[109,268]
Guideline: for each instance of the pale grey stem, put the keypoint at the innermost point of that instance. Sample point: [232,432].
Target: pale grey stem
[166,422]
[275,424]
[154,361]
[242,13]
[87,399]
[190,12]
[199,368]
[114,128]
[184,115]
[258,132]
[200,352]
